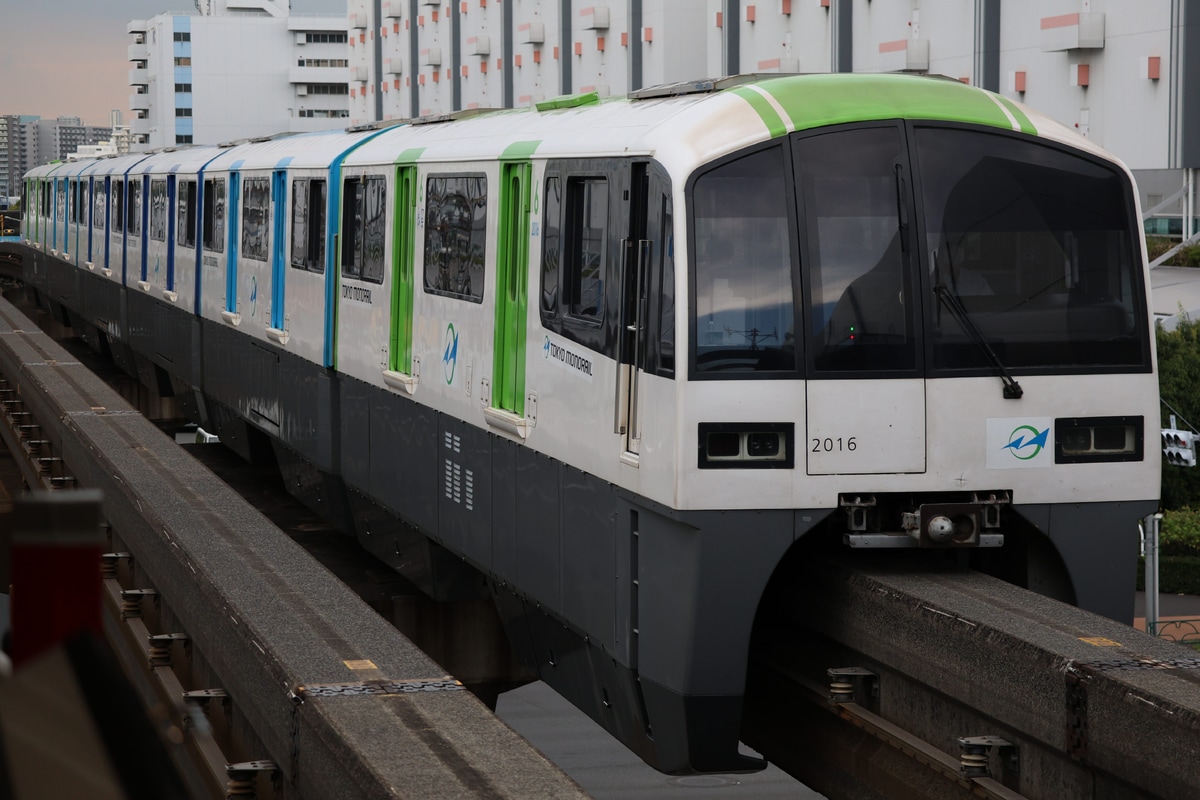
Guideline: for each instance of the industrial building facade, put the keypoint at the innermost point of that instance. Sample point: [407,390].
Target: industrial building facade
[1126,75]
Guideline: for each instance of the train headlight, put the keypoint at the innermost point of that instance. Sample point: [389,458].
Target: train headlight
[746,445]
[1079,440]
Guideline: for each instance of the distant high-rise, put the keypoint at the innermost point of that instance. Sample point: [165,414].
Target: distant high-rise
[115,118]
[241,69]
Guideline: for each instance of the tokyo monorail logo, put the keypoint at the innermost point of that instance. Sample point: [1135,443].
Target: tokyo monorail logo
[1018,443]
[1026,442]
[450,354]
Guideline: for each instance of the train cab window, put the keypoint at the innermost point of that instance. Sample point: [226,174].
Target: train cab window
[666,291]
[133,211]
[862,315]
[364,215]
[455,227]
[743,263]
[214,215]
[308,224]
[185,227]
[118,206]
[158,211]
[256,215]
[1038,248]
[583,275]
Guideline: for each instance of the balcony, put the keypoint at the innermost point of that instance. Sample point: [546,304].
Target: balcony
[140,127]
[136,26]
[319,74]
[138,51]
[139,101]
[139,77]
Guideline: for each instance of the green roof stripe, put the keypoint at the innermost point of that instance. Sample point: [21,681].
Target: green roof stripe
[410,156]
[815,100]
[770,116]
[519,151]
[1026,125]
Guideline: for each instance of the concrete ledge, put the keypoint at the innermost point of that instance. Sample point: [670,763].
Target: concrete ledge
[267,618]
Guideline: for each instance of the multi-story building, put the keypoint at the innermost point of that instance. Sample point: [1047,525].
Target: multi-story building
[59,138]
[241,69]
[28,140]
[1126,75]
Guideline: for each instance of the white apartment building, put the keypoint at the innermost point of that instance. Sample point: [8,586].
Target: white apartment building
[240,69]
[1125,74]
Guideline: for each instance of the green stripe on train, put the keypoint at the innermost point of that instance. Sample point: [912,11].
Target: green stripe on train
[813,101]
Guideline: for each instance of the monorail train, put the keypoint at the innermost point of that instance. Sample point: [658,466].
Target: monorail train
[621,357]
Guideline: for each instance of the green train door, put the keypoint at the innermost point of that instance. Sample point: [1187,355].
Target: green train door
[512,278]
[401,371]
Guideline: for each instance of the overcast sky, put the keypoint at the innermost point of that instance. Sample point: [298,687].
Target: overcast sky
[68,58]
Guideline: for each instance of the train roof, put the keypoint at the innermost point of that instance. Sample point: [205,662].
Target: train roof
[300,151]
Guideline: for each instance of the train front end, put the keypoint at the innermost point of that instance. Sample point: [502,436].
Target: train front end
[919,320]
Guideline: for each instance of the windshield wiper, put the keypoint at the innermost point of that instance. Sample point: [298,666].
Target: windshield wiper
[1012,389]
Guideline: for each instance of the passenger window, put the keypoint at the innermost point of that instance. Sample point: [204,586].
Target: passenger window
[308,225]
[186,225]
[158,211]
[133,215]
[99,202]
[364,212]
[256,215]
[118,206]
[214,215]
[586,251]
[666,294]
[455,228]
[745,314]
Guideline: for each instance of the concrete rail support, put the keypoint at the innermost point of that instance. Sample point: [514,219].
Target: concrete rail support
[343,704]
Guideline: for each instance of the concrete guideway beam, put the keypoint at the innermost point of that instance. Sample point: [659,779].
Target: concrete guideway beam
[343,703]
[1095,708]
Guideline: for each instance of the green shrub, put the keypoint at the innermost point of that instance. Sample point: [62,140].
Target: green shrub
[1176,575]
[1179,533]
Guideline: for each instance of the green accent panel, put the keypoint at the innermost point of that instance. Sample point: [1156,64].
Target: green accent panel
[404,243]
[410,156]
[1026,125]
[520,151]
[813,101]
[512,270]
[770,116]
[569,101]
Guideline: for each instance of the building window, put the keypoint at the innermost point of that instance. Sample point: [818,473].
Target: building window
[183,138]
[455,224]
[183,112]
[323,62]
[183,88]
[328,88]
[323,113]
[183,36]
[323,38]
[364,205]
[183,61]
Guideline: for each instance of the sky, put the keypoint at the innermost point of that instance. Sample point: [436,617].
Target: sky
[69,57]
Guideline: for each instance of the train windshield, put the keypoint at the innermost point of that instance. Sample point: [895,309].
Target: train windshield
[917,249]
[1035,243]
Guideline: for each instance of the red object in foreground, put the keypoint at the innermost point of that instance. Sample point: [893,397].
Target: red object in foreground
[56,583]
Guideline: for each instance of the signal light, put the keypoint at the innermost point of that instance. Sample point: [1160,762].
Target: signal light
[1179,447]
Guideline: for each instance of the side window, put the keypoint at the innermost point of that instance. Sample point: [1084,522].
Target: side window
[455,226]
[551,247]
[584,265]
[118,206]
[364,212]
[158,211]
[666,293]
[99,202]
[214,215]
[256,214]
[308,225]
[185,228]
[133,214]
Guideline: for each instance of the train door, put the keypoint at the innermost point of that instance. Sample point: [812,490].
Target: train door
[866,391]
[234,205]
[512,270]
[400,358]
[278,252]
[641,272]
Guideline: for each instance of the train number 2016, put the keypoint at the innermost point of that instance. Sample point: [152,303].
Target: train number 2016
[828,445]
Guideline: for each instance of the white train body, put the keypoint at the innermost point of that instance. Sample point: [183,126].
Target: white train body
[621,357]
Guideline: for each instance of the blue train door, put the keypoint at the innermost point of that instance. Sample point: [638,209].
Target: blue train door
[233,209]
[278,253]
